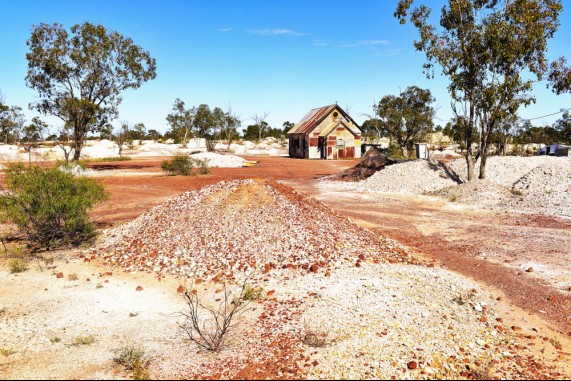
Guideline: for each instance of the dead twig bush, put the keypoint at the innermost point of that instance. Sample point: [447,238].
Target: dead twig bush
[316,337]
[211,332]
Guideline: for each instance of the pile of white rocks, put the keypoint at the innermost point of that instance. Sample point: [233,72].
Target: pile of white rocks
[412,177]
[237,228]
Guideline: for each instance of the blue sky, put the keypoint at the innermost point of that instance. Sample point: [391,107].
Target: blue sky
[280,57]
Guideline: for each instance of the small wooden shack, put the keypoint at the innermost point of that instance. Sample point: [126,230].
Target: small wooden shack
[325,133]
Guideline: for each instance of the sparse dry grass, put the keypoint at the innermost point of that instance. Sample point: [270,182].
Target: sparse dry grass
[17,265]
[316,337]
[83,340]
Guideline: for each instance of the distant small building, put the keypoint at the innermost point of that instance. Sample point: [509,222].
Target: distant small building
[325,133]
[555,150]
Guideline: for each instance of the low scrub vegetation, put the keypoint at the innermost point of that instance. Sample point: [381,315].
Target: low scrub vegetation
[316,337]
[108,159]
[83,340]
[133,357]
[211,331]
[17,265]
[184,165]
[50,206]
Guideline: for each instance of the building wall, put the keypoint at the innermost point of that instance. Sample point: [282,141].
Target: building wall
[308,145]
[350,149]
[297,146]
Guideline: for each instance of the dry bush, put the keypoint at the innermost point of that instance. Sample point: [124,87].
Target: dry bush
[83,340]
[133,357]
[316,337]
[211,332]
[17,265]
[253,293]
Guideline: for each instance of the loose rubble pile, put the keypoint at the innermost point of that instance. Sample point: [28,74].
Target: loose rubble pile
[372,162]
[412,177]
[216,160]
[540,184]
[231,229]
[546,187]
[390,330]
[504,170]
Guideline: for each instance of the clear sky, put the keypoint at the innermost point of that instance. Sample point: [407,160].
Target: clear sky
[281,57]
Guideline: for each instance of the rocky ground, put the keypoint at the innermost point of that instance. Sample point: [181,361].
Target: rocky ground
[261,227]
[354,315]
[540,184]
[374,321]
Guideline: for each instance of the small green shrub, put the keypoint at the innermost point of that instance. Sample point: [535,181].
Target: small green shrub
[202,165]
[7,352]
[108,159]
[49,206]
[517,192]
[73,277]
[131,355]
[253,293]
[178,165]
[17,265]
[83,340]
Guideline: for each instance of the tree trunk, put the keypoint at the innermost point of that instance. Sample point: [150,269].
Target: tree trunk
[470,162]
[76,151]
[469,137]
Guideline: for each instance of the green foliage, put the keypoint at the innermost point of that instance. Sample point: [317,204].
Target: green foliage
[563,128]
[181,120]
[17,265]
[202,122]
[50,205]
[83,340]
[490,52]
[107,159]
[253,293]
[12,122]
[202,165]
[131,355]
[251,133]
[62,66]
[184,165]
[406,118]
[178,165]
[153,135]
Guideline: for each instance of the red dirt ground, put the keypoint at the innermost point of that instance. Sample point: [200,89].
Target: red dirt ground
[132,196]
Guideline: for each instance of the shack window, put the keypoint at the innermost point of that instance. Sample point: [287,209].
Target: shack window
[340,143]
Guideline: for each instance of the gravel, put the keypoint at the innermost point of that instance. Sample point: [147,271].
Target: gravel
[504,170]
[216,160]
[414,177]
[381,318]
[232,229]
[540,184]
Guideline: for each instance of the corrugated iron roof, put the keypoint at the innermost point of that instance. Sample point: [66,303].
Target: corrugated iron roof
[311,120]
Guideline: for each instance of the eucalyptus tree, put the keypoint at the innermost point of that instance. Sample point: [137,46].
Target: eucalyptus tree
[491,51]
[406,118]
[33,133]
[81,74]
[563,128]
[181,121]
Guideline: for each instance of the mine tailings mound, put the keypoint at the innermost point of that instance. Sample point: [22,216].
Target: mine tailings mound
[371,162]
[242,228]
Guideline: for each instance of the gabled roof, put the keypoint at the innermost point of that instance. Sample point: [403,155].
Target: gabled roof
[314,117]
[328,130]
